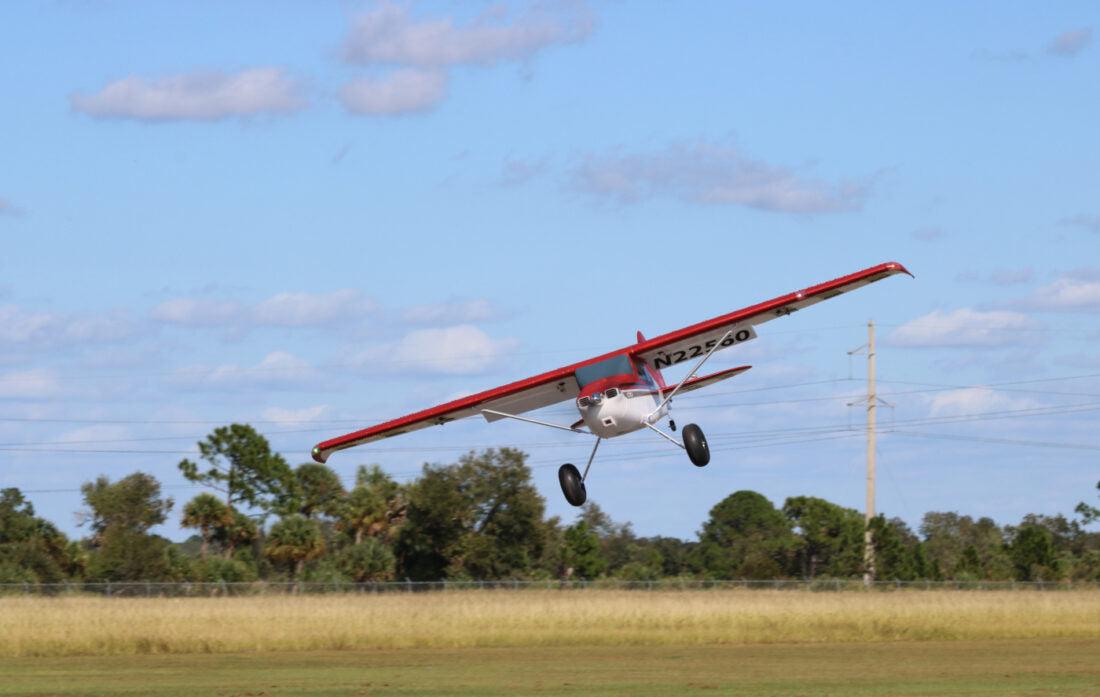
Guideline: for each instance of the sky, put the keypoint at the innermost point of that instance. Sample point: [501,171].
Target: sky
[316,216]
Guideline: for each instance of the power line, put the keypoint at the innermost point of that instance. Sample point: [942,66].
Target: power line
[1057,410]
[999,441]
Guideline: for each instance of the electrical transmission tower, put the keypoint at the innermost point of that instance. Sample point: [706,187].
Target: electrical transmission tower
[872,401]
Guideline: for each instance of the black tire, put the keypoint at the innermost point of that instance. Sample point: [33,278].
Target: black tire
[696,445]
[572,485]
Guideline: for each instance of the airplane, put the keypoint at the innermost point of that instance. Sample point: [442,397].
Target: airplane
[622,391]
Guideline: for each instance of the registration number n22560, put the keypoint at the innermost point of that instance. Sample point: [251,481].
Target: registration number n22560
[663,358]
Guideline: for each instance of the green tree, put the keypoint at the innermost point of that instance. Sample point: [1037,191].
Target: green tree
[479,518]
[618,543]
[237,531]
[581,553]
[1032,553]
[316,489]
[369,561]
[831,537]
[132,502]
[745,537]
[207,514]
[32,549]
[899,554]
[674,553]
[17,521]
[294,540]
[1089,514]
[375,507]
[243,468]
[947,536]
[120,518]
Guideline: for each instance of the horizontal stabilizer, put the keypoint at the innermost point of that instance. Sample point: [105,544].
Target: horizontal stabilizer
[706,380]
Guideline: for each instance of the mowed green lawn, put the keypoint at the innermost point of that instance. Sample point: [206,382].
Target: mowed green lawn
[1002,668]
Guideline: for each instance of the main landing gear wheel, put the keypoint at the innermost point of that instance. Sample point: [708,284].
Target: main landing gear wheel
[696,445]
[572,485]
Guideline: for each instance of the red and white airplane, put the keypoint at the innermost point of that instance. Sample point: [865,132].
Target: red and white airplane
[622,391]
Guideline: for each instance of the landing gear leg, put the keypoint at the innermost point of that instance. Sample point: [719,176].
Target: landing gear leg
[696,445]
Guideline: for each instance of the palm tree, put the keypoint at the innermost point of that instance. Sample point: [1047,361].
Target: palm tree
[295,540]
[236,529]
[374,507]
[372,561]
[206,513]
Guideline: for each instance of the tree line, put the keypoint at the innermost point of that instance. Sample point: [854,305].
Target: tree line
[482,518]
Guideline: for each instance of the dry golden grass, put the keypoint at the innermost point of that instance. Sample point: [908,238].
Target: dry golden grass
[97,626]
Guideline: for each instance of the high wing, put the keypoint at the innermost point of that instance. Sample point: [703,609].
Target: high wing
[694,341]
[669,349]
[514,398]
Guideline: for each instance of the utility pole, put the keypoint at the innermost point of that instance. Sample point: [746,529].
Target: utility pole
[871,402]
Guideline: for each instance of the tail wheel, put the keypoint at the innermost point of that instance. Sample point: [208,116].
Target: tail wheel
[572,485]
[696,445]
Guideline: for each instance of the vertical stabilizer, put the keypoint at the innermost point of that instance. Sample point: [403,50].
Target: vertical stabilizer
[657,377]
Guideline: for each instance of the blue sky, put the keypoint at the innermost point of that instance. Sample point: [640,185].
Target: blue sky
[316,216]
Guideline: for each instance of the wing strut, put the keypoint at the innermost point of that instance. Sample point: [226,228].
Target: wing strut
[532,421]
[690,375]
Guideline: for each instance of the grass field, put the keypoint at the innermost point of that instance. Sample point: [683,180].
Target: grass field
[995,668]
[554,643]
[471,619]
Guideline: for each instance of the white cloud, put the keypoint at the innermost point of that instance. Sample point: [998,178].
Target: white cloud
[196,96]
[281,310]
[29,384]
[711,174]
[311,309]
[975,400]
[402,91]
[460,350]
[22,327]
[200,312]
[1065,295]
[389,35]
[289,417]
[450,313]
[966,327]
[1070,43]
[95,434]
[18,326]
[277,369]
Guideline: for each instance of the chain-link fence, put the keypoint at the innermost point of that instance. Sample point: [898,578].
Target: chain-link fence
[151,589]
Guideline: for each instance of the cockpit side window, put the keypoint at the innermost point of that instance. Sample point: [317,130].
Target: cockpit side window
[643,373]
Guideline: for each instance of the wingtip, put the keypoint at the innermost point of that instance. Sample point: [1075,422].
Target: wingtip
[319,455]
[898,267]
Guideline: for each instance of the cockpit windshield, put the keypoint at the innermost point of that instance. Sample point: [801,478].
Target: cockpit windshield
[616,365]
